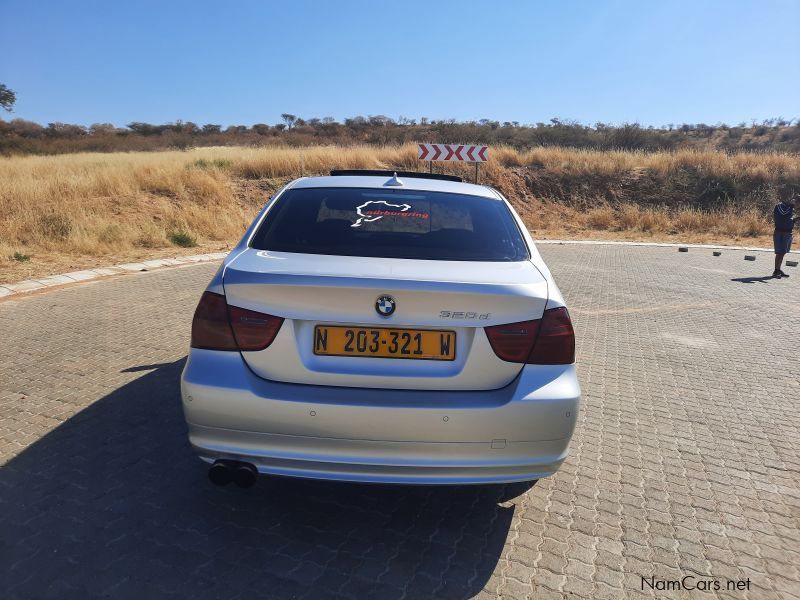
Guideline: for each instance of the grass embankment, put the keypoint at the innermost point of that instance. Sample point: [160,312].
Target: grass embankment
[63,212]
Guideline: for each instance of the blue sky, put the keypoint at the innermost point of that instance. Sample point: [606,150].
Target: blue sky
[245,62]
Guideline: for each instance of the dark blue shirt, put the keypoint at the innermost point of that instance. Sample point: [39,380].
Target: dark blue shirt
[784,217]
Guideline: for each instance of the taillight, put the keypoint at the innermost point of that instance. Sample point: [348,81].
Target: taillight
[217,326]
[253,330]
[210,327]
[555,344]
[546,341]
[513,342]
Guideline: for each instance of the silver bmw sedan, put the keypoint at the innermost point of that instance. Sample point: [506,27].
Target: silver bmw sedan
[382,327]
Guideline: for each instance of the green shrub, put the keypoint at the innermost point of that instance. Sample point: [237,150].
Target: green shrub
[184,239]
[20,257]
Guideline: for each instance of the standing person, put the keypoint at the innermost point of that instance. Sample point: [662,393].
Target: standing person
[784,223]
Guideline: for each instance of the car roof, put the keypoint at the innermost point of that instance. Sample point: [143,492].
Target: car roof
[409,183]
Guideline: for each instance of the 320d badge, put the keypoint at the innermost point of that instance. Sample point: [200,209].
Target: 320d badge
[320,348]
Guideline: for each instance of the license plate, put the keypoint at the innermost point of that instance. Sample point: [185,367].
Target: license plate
[385,342]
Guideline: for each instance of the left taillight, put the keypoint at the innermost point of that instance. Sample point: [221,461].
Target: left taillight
[217,326]
[253,330]
[210,327]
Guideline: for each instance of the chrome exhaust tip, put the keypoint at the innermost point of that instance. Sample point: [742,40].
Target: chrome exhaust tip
[220,473]
[244,475]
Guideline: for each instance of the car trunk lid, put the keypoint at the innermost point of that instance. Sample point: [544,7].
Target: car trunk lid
[458,296]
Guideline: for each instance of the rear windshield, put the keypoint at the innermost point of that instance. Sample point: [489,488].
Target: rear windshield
[391,224]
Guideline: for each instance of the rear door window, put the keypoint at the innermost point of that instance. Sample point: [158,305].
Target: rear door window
[391,224]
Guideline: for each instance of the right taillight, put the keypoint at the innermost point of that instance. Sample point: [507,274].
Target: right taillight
[546,341]
[217,326]
[513,341]
[555,344]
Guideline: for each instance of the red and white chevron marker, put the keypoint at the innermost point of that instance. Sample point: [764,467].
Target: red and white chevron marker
[452,152]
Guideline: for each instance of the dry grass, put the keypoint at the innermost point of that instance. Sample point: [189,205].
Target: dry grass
[112,205]
[684,223]
[570,161]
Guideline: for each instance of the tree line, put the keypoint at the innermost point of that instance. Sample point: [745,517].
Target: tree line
[19,136]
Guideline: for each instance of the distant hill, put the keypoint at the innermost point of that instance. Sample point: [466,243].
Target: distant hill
[18,136]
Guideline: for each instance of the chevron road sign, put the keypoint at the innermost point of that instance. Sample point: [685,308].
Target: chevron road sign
[452,152]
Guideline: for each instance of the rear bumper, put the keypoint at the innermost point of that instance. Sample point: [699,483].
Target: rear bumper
[381,461]
[516,433]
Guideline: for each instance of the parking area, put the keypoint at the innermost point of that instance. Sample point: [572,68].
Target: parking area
[686,460]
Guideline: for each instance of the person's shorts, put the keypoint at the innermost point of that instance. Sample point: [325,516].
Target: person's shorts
[783,242]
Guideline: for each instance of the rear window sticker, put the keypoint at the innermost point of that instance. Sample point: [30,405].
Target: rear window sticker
[370,215]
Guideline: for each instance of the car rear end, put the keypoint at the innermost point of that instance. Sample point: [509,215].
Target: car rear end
[370,331]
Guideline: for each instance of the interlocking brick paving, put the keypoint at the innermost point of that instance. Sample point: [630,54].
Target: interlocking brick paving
[685,460]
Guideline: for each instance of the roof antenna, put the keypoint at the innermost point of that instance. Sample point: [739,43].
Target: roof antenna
[394,181]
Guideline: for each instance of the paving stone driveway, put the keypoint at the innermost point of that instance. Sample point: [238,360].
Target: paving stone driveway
[686,460]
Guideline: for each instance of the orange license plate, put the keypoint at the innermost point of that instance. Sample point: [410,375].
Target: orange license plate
[385,342]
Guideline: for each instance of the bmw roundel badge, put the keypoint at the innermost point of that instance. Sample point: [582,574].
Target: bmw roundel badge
[385,305]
